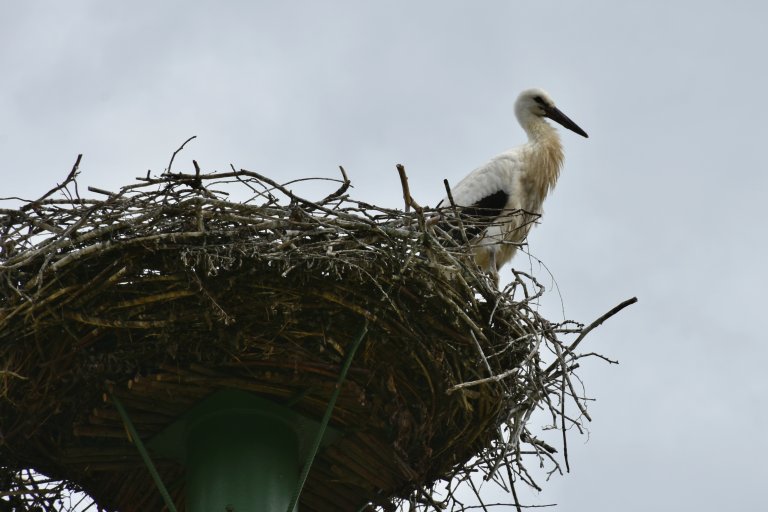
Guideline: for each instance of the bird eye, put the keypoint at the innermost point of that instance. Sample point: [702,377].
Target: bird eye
[538,99]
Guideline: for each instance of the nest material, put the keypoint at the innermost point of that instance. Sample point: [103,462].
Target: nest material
[167,291]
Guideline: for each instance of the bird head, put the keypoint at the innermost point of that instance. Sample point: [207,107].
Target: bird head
[536,104]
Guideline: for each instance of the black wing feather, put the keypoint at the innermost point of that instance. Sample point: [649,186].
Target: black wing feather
[476,217]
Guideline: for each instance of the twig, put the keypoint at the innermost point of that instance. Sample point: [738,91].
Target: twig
[70,177]
[296,198]
[101,191]
[562,416]
[600,320]
[197,183]
[591,326]
[407,198]
[495,378]
[464,238]
[170,164]
[514,491]
[339,192]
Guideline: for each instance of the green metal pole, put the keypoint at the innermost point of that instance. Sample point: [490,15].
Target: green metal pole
[241,461]
[241,453]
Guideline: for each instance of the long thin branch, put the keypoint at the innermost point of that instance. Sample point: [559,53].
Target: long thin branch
[464,238]
[70,178]
[590,327]
[599,321]
[170,164]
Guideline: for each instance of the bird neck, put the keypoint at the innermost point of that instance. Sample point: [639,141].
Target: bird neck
[546,158]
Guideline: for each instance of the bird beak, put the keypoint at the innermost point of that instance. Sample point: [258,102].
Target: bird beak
[554,114]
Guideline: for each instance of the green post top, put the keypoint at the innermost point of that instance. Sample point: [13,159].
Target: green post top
[242,453]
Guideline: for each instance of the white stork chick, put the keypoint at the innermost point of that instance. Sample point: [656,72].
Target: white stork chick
[518,179]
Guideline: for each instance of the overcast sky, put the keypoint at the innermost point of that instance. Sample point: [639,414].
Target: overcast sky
[664,201]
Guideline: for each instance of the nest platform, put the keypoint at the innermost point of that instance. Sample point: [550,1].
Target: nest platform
[166,291]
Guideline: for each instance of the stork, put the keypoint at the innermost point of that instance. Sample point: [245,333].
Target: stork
[504,196]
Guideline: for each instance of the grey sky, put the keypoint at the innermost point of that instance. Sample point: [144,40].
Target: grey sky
[664,200]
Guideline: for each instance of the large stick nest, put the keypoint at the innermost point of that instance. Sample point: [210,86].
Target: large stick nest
[168,290]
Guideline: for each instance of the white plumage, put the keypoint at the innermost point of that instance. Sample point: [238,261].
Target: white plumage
[518,179]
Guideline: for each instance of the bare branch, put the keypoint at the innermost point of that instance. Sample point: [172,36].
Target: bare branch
[170,164]
[407,198]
